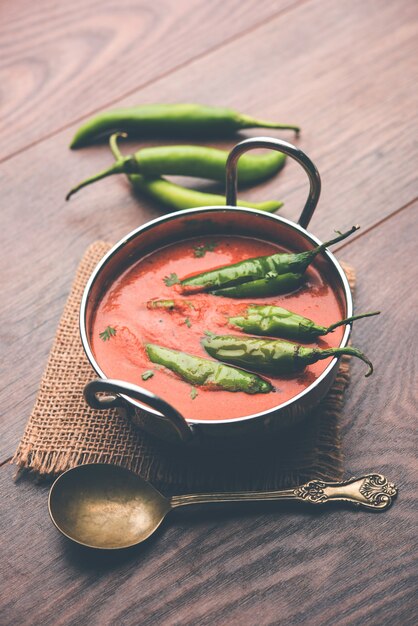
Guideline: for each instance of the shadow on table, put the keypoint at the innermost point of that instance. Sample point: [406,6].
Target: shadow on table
[194,520]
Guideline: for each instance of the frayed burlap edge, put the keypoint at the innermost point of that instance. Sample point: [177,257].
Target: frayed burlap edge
[63,432]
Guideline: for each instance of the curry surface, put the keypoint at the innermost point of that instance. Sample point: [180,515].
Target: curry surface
[124,308]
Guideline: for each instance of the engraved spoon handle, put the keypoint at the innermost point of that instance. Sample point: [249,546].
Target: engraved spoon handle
[372,491]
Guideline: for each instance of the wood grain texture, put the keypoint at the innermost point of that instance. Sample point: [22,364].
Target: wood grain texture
[265,565]
[308,67]
[61,61]
[345,72]
[357,131]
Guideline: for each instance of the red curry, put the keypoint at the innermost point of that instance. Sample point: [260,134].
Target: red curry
[124,309]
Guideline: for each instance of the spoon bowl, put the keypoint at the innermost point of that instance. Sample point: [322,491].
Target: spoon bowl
[105,506]
[109,507]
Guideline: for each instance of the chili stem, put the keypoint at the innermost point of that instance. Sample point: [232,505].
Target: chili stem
[348,320]
[331,242]
[120,167]
[324,354]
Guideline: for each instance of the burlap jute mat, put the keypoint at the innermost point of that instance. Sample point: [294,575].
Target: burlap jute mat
[63,431]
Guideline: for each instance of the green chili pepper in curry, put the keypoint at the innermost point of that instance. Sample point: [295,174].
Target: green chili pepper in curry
[203,372]
[264,268]
[265,319]
[271,356]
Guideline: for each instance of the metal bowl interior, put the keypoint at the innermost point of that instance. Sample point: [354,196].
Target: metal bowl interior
[210,221]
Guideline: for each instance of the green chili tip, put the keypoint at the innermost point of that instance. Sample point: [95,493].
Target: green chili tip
[162,304]
[250,122]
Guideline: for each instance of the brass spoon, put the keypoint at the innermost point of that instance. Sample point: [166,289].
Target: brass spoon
[108,507]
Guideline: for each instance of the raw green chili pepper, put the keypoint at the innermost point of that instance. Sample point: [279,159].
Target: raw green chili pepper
[198,371]
[175,196]
[271,285]
[256,268]
[169,119]
[178,198]
[264,319]
[271,356]
[198,161]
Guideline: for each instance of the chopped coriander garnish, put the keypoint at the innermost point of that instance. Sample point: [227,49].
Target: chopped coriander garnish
[187,322]
[107,333]
[193,393]
[200,251]
[173,279]
[147,374]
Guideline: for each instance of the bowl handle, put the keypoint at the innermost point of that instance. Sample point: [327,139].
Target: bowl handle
[113,390]
[286,148]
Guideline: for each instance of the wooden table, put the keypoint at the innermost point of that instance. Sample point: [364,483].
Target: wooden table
[345,72]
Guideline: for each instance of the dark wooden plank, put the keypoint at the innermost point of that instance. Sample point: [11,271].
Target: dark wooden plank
[355,128]
[275,565]
[60,61]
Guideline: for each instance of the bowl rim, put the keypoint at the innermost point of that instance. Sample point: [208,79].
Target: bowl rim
[196,211]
